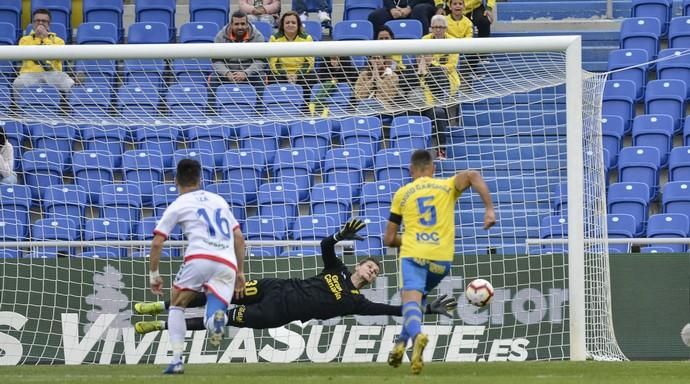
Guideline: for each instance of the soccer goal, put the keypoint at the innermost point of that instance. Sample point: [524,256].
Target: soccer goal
[296,159]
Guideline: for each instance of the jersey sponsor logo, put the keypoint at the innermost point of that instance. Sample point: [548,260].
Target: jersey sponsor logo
[238,314]
[428,238]
[334,285]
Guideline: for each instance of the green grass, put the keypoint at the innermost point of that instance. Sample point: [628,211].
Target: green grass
[308,373]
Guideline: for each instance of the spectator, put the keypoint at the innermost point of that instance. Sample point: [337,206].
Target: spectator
[239,70]
[302,11]
[332,71]
[34,72]
[378,81]
[295,70]
[440,82]
[261,10]
[7,175]
[407,76]
[421,10]
[459,26]
[479,11]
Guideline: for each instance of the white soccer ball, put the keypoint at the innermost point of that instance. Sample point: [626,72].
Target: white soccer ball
[479,292]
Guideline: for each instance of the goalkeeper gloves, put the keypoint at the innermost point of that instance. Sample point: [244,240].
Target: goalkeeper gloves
[349,230]
[442,305]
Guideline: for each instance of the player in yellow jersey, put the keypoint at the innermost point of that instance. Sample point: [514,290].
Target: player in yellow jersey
[426,207]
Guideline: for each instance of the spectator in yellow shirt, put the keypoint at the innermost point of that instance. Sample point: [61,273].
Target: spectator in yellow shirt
[295,70]
[35,72]
[459,26]
[479,11]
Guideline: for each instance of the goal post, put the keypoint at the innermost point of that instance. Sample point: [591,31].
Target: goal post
[95,169]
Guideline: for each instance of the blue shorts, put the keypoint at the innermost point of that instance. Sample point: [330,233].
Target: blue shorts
[422,275]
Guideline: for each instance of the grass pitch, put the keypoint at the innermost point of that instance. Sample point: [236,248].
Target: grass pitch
[308,373]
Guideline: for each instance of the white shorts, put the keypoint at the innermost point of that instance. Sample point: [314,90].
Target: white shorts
[206,276]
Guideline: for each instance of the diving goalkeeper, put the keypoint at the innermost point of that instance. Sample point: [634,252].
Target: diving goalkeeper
[272,302]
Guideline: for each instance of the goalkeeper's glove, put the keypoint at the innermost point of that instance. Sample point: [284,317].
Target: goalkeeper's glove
[442,305]
[349,230]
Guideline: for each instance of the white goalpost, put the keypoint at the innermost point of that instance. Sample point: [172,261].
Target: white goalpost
[95,170]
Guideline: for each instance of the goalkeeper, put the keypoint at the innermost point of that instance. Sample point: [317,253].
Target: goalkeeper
[272,302]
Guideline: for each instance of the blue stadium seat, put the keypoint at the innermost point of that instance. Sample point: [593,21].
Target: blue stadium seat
[60,13]
[262,137]
[654,131]
[97,33]
[669,225]
[630,198]
[63,229]
[15,133]
[666,97]
[187,102]
[148,33]
[15,204]
[612,128]
[209,139]
[411,132]
[247,168]
[42,169]
[656,249]
[363,132]
[206,159]
[43,100]
[300,252]
[372,245]
[157,138]
[53,137]
[209,11]
[333,200]
[8,71]
[266,228]
[353,30]
[376,198]
[236,101]
[554,227]
[157,11]
[192,71]
[233,192]
[90,101]
[99,72]
[145,254]
[630,64]
[12,230]
[163,195]
[686,132]
[676,197]
[640,164]
[679,164]
[296,165]
[686,7]
[559,199]
[674,64]
[145,169]
[619,100]
[11,12]
[92,170]
[110,255]
[278,199]
[314,134]
[360,9]
[641,33]
[146,73]
[121,202]
[64,201]
[393,165]
[265,28]
[345,166]
[105,11]
[313,227]
[658,9]
[283,100]
[313,29]
[198,32]
[337,101]
[8,34]
[102,229]
[679,32]
[135,101]
[620,226]
[406,28]
[105,138]
[146,226]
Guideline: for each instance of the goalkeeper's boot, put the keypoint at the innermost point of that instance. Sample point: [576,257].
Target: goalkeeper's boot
[396,355]
[174,369]
[149,308]
[144,327]
[218,327]
[417,362]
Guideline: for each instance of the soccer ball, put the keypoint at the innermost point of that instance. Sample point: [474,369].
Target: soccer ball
[479,292]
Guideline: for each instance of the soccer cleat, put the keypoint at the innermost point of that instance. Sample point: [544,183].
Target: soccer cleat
[149,308]
[144,327]
[417,363]
[218,327]
[396,355]
[174,369]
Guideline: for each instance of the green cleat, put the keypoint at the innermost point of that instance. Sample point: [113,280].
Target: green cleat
[144,327]
[149,307]
[396,355]
[417,362]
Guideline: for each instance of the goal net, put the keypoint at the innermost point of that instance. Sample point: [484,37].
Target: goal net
[297,155]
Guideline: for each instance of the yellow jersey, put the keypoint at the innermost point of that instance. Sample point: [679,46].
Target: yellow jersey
[427,208]
[291,65]
[31,66]
[460,29]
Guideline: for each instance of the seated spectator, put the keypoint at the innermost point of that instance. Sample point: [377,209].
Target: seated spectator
[301,9]
[295,70]
[440,82]
[7,175]
[261,10]
[407,75]
[34,72]
[421,10]
[480,12]
[459,26]
[239,70]
[332,71]
[378,81]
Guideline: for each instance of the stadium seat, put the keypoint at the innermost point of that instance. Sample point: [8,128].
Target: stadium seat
[265,28]
[640,164]
[656,249]
[266,228]
[100,72]
[8,34]
[121,202]
[60,13]
[641,33]
[92,170]
[137,102]
[630,198]
[559,199]
[97,33]
[406,28]
[105,11]
[372,245]
[360,9]
[209,11]
[353,30]
[148,33]
[163,195]
[376,198]
[11,12]
[363,132]
[206,159]
[612,128]
[278,199]
[247,168]
[147,254]
[314,134]
[102,229]
[679,32]
[146,73]
[313,227]
[658,9]
[686,8]
[674,64]
[198,32]
[393,165]
[53,137]
[187,102]
[157,11]
[337,100]
[654,131]
[146,226]
[679,164]
[105,138]
[666,97]
[59,229]
[15,133]
[554,227]
[233,192]
[64,201]
[676,197]
[620,226]
[411,132]
[236,101]
[15,204]
[686,132]
[300,252]
[145,169]
[296,165]
[669,225]
[12,230]
[345,166]
[332,200]
[261,136]
[42,169]
[90,101]
[283,100]
[192,71]
[209,139]
[42,100]
[314,29]
[158,139]
[630,64]
[619,100]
